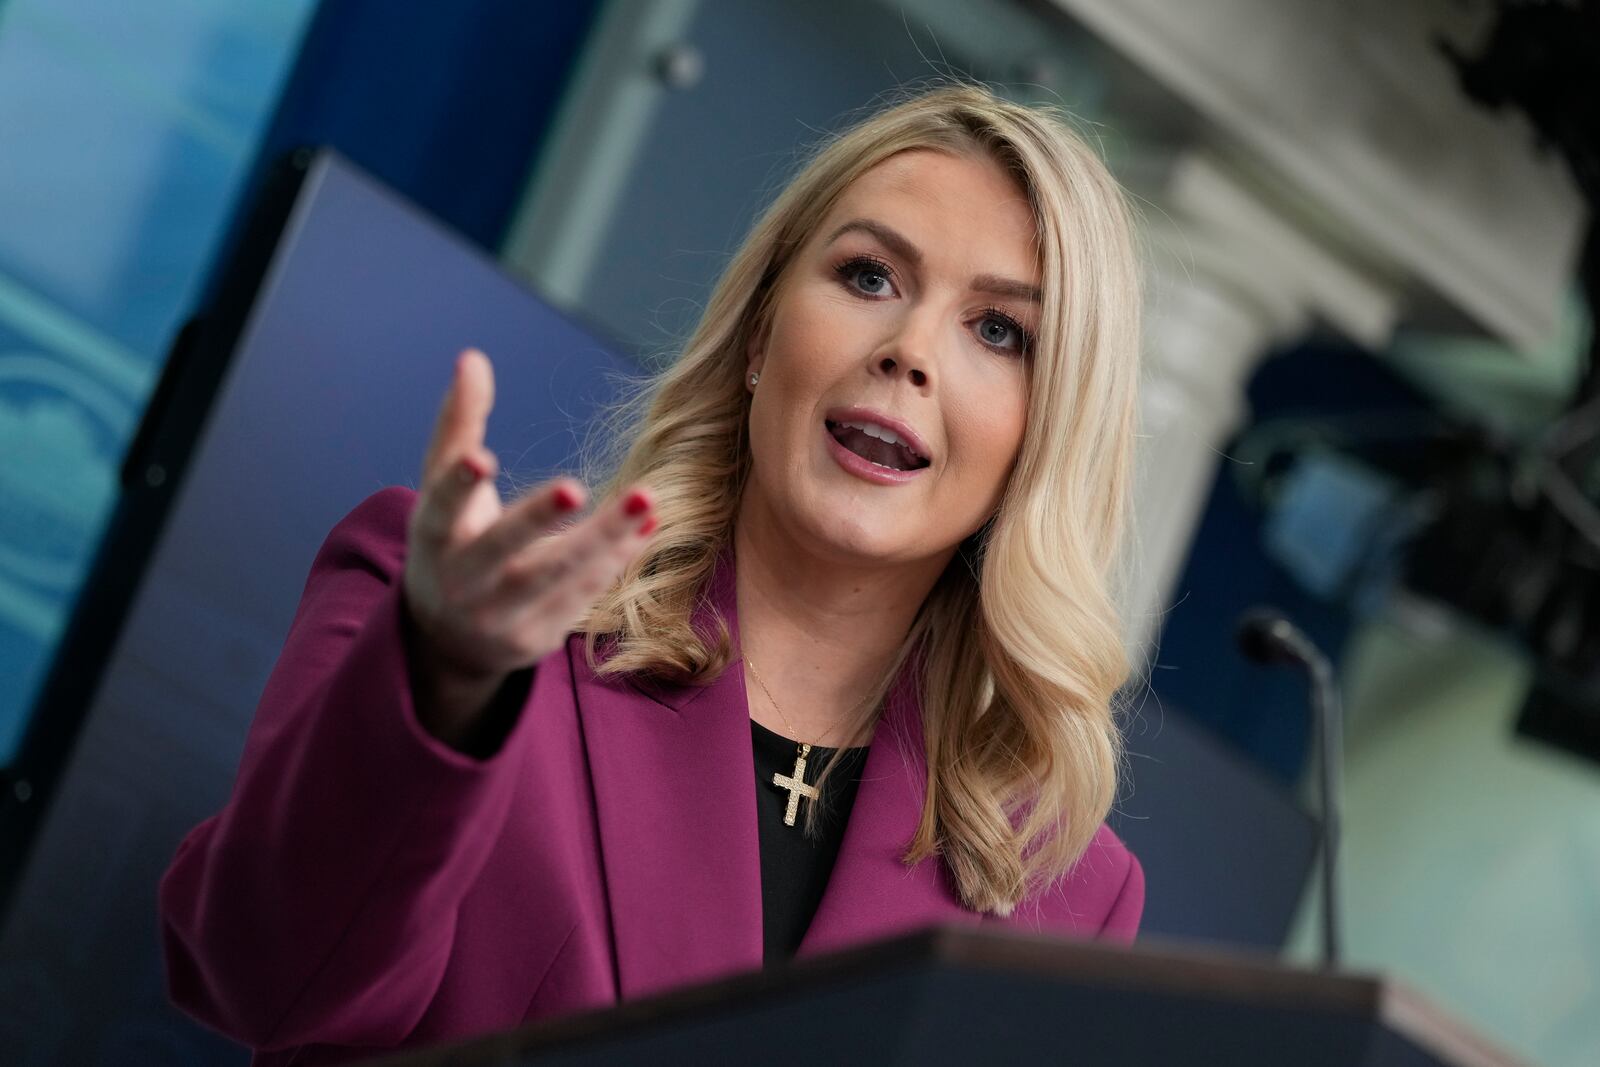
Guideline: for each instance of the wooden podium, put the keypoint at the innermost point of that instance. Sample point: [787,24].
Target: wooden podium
[959,995]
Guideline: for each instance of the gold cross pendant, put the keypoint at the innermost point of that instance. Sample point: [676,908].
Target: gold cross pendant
[796,785]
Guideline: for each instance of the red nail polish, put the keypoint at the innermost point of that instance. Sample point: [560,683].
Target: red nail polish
[649,526]
[636,504]
[467,470]
[565,498]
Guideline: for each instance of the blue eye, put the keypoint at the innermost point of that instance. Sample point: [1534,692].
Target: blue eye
[999,330]
[871,277]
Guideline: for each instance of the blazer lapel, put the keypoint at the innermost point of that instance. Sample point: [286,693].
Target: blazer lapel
[674,784]
[674,790]
[871,894]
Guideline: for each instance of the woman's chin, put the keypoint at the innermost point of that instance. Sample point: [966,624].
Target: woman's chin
[846,522]
[858,537]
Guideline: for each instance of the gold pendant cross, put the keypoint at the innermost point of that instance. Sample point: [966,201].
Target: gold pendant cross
[796,785]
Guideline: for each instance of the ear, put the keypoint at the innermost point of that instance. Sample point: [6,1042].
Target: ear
[755,354]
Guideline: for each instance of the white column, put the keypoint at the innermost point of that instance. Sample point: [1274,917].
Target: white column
[1230,281]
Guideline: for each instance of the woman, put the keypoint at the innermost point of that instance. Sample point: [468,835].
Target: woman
[502,769]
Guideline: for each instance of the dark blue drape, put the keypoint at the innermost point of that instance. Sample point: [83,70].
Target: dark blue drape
[446,103]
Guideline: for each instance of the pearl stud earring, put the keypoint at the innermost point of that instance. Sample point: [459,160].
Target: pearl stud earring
[755,378]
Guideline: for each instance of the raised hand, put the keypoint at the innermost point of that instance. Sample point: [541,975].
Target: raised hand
[491,588]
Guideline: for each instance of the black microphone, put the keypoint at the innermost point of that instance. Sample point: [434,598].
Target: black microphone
[1266,636]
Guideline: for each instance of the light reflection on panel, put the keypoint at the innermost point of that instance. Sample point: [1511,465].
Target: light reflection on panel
[127,131]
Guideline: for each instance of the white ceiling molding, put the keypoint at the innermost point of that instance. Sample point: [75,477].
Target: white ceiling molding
[1261,250]
[1371,143]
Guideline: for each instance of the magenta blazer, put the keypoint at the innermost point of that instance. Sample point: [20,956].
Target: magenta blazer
[367,887]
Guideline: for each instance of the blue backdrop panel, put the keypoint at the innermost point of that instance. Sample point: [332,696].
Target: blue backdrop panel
[329,395]
[1226,848]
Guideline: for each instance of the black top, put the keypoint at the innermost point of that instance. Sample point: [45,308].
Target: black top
[794,866]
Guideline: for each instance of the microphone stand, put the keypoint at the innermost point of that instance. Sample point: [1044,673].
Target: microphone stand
[1330,758]
[1266,636]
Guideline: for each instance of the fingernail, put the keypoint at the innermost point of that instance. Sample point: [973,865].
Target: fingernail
[468,471]
[636,504]
[565,498]
[649,526]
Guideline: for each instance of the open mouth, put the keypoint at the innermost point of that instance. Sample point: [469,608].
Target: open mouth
[876,445]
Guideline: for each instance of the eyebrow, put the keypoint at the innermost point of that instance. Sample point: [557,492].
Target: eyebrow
[900,246]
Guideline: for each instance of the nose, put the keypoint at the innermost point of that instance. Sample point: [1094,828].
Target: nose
[910,351]
[914,374]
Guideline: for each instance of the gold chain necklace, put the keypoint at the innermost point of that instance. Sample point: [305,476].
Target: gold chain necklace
[794,782]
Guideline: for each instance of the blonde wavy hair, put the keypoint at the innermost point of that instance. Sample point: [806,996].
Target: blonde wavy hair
[1021,642]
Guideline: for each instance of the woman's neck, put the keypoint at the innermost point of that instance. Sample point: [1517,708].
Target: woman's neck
[821,634]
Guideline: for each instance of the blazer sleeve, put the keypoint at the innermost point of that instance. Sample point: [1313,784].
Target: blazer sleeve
[1122,921]
[320,903]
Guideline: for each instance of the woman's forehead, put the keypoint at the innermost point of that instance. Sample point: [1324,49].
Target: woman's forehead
[920,171]
[929,197]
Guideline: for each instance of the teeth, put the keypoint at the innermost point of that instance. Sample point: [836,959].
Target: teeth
[872,429]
